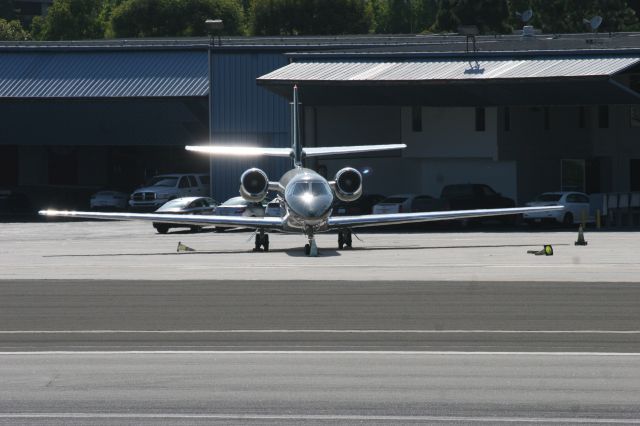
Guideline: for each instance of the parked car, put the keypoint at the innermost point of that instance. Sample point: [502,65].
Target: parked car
[363,205]
[108,200]
[238,206]
[471,196]
[184,205]
[163,188]
[426,203]
[400,203]
[576,206]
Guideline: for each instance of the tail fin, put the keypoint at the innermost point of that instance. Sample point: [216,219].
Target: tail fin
[296,146]
[296,152]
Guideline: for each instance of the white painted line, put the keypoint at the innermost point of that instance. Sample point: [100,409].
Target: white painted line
[316,352]
[319,417]
[317,331]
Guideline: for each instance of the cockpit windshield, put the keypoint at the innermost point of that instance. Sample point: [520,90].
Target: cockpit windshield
[314,188]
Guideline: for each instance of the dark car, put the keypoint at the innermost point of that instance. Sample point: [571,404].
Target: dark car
[184,205]
[363,205]
[471,196]
[426,203]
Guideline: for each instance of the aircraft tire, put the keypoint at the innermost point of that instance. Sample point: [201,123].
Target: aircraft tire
[340,240]
[307,249]
[162,229]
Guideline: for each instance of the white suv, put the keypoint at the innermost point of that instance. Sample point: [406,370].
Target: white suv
[163,188]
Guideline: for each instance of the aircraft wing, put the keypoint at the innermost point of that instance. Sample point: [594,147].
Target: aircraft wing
[399,218]
[201,220]
[240,151]
[355,149]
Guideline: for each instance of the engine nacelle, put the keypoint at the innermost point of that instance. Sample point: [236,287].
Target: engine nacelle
[348,184]
[254,185]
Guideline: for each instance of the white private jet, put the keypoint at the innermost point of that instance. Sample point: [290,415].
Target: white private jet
[307,197]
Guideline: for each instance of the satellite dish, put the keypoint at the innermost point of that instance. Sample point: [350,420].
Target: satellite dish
[594,22]
[525,16]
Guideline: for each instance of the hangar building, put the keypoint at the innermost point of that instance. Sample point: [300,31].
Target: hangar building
[522,114]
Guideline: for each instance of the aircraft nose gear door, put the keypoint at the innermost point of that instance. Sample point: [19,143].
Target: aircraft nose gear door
[344,238]
[262,241]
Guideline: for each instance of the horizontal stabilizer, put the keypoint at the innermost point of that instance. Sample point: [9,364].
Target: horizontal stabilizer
[241,151]
[337,150]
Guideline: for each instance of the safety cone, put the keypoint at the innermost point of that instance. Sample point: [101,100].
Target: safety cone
[183,248]
[547,250]
[581,241]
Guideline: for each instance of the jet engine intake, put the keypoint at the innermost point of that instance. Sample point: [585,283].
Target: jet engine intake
[348,184]
[254,185]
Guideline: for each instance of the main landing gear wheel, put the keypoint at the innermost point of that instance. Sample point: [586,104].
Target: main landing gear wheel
[262,242]
[344,239]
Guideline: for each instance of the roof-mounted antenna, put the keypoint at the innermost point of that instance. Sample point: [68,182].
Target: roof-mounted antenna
[527,30]
[594,23]
[525,16]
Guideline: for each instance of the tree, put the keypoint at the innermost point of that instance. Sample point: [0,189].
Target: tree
[7,10]
[174,18]
[70,20]
[446,19]
[13,31]
[311,17]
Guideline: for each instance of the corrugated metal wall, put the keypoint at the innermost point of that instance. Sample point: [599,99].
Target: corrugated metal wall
[245,113]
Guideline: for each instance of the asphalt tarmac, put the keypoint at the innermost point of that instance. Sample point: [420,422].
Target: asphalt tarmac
[318,388]
[319,315]
[104,323]
[134,251]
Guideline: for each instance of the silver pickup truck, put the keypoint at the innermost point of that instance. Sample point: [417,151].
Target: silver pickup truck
[163,188]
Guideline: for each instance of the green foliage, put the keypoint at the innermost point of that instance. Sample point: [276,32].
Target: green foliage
[84,19]
[309,17]
[490,16]
[171,18]
[13,31]
[70,20]
[404,16]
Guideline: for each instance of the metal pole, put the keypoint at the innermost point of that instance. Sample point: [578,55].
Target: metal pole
[210,58]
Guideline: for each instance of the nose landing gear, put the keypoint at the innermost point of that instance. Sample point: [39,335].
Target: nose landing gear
[344,238]
[311,249]
[262,241]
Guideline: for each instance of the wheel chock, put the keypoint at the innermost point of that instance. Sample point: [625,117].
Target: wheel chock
[183,248]
[547,250]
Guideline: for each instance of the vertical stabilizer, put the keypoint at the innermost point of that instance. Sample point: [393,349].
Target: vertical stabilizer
[295,129]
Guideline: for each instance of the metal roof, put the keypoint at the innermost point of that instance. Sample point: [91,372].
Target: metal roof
[146,74]
[347,70]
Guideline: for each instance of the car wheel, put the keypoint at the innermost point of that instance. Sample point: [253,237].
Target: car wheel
[567,220]
[162,229]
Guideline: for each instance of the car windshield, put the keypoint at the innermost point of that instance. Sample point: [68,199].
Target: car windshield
[177,203]
[549,197]
[163,181]
[236,201]
[394,200]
